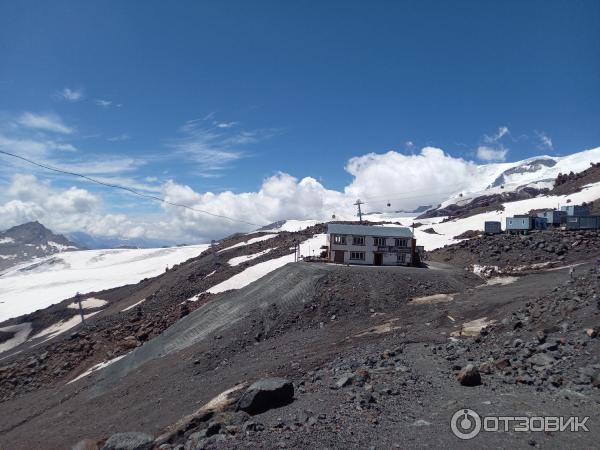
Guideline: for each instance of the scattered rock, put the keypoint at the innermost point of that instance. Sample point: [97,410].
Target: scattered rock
[469,376]
[266,394]
[129,441]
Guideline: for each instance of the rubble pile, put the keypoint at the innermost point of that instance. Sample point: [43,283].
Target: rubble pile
[517,250]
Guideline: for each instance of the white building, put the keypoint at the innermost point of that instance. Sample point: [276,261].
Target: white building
[370,245]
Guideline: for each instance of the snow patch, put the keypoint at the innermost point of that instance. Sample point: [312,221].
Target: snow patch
[250,241]
[61,247]
[21,333]
[242,259]
[134,305]
[295,225]
[97,367]
[7,240]
[61,327]
[88,303]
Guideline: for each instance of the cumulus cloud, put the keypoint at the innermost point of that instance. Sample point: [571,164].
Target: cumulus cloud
[26,199]
[410,179]
[490,154]
[280,195]
[70,95]
[407,181]
[44,122]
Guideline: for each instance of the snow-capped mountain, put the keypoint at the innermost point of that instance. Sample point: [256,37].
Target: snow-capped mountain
[538,173]
[31,240]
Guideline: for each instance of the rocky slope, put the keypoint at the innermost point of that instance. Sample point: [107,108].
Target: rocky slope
[31,240]
[518,253]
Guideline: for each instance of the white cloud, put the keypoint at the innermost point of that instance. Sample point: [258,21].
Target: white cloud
[104,103]
[213,148]
[44,122]
[545,141]
[120,137]
[70,95]
[489,154]
[406,180]
[225,124]
[28,199]
[502,131]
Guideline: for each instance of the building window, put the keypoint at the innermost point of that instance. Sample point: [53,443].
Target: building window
[339,239]
[401,257]
[379,241]
[358,240]
[401,243]
[357,256]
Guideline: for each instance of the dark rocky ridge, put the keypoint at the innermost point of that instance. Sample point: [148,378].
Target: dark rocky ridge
[573,182]
[483,203]
[28,241]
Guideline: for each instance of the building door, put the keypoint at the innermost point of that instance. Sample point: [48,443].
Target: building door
[378,260]
[338,257]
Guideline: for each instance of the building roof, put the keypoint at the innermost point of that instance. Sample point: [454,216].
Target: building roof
[369,230]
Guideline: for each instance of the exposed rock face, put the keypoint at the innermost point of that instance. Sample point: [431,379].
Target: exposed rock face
[573,182]
[266,394]
[31,240]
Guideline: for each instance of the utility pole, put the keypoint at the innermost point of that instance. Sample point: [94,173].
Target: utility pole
[357,204]
[78,300]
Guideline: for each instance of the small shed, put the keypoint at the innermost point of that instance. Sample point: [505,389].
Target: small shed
[576,210]
[583,222]
[492,227]
[518,224]
[554,217]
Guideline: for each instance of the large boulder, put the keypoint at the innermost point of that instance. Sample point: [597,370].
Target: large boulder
[469,376]
[266,394]
[129,441]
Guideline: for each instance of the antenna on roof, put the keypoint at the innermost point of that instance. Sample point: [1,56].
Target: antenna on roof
[357,204]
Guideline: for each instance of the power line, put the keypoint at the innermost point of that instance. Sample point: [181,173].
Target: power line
[124,188]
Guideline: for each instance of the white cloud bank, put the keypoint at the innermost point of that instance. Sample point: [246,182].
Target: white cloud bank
[485,153]
[407,180]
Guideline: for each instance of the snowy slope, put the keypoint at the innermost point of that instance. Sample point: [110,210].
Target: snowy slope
[538,172]
[38,284]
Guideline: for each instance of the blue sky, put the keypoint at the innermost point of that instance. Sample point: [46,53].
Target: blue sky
[221,95]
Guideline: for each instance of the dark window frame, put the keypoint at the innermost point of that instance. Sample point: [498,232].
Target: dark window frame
[361,256]
[377,240]
[339,239]
[355,238]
